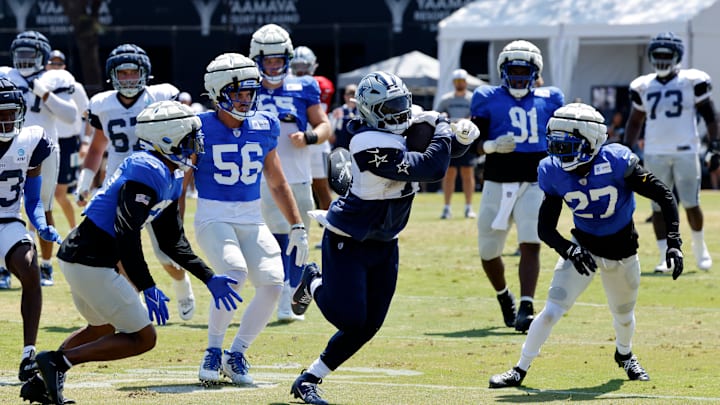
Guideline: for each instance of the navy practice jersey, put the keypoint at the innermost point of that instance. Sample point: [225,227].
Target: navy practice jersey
[525,118]
[385,176]
[231,167]
[289,103]
[602,202]
[141,167]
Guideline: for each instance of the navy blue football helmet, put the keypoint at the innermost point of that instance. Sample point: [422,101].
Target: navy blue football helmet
[128,57]
[12,110]
[665,52]
[30,52]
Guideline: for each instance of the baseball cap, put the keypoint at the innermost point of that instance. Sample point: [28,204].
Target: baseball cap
[461,74]
[57,54]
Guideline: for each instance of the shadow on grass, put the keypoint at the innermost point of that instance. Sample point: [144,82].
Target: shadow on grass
[532,395]
[186,388]
[60,329]
[477,333]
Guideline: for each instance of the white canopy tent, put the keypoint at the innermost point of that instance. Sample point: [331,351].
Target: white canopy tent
[418,71]
[585,43]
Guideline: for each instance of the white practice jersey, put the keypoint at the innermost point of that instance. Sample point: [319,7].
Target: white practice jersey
[117,122]
[670,113]
[80,98]
[60,82]
[14,165]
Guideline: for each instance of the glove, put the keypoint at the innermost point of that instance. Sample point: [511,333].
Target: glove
[582,259]
[156,300]
[40,89]
[219,286]
[82,191]
[430,117]
[465,131]
[674,261]
[712,160]
[298,240]
[501,144]
[50,234]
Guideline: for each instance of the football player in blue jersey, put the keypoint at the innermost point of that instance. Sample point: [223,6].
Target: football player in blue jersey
[597,182]
[22,152]
[112,116]
[242,150]
[360,256]
[295,101]
[512,119]
[143,190]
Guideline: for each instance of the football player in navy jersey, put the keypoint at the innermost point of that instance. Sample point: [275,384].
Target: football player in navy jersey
[295,101]
[512,119]
[597,182]
[667,104]
[360,254]
[144,190]
[242,150]
[22,152]
[112,115]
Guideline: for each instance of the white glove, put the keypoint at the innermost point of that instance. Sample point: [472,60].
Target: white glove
[298,240]
[430,117]
[40,89]
[501,144]
[465,131]
[82,192]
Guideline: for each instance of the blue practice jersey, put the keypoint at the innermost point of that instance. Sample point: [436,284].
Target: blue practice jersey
[231,167]
[525,118]
[141,167]
[602,202]
[289,103]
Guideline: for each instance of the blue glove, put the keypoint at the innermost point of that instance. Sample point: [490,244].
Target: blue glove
[156,300]
[50,234]
[219,286]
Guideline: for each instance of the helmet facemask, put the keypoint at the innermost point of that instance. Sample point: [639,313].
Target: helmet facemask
[394,114]
[271,70]
[518,76]
[192,144]
[570,149]
[28,61]
[128,79]
[664,61]
[575,134]
[239,98]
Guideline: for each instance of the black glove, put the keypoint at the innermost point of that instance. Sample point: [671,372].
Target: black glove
[673,255]
[581,259]
[712,157]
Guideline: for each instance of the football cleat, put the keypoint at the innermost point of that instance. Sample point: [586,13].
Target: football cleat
[525,316]
[34,391]
[5,279]
[210,367]
[28,367]
[662,266]
[46,275]
[235,367]
[507,305]
[185,298]
[302,296]
[510,378]
[52,372]
[630,363]
[702,256]
[469,213]
[284,312]
[446,214]
[305,387]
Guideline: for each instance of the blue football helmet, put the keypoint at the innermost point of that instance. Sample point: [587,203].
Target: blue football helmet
[271,41]
[12,110]
[575,134]
[128,57]
[30,52]
[519,65]
[226,77]
[665,52]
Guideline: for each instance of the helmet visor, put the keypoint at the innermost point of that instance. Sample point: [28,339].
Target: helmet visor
[395,110]
[564,145]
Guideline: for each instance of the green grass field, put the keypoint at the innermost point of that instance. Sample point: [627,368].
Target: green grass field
[443,338]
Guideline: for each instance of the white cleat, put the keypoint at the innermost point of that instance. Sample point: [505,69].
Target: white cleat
[235,367]
[284,312]
[702,255]
[186,308]
[210,367]
[185,298]
[662,267]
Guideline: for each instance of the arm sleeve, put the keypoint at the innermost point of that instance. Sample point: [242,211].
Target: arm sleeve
[33,203]
[547,225]
[133,208]
[168,228]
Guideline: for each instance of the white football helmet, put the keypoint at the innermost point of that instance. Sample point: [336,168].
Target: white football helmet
[384,102]
[575,134]
[229,74]
[171,128]
[271,40]
[12,110]
[522,54]
[304,62]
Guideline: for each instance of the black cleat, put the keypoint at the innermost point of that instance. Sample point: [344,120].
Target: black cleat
[302,297]
[34,391]
[305,388]
[630,363]
[525,316]
[52,368]
[510,378]
[507,305]
[28,368]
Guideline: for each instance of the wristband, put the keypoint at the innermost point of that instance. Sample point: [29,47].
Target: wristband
[310,137]
[297,226]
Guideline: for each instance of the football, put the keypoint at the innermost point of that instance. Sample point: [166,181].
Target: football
[418,136]
[339,170]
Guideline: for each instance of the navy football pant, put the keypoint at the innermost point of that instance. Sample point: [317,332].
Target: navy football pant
[358,283]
